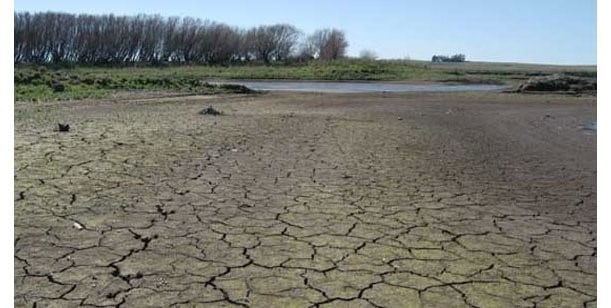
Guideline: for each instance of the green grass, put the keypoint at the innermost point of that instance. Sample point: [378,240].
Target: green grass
[314,70]
[34,83]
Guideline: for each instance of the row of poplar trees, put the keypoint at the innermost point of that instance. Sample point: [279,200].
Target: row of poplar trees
[51,37]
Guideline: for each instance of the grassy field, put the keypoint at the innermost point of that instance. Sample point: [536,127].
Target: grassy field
[36,83]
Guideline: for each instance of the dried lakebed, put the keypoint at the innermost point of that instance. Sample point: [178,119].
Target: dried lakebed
[298,200]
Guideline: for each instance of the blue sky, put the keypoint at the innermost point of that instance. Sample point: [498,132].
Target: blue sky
[539,31]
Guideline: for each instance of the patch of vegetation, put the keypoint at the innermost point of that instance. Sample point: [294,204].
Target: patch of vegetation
[558,82]
[343,69]
[43,84]
[237,88]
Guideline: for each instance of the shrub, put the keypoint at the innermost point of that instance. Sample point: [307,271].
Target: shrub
[454,58]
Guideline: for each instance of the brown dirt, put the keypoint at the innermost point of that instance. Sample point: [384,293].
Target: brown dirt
[436,200]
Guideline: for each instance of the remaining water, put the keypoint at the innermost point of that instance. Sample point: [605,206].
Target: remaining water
[590,126]
[360,87]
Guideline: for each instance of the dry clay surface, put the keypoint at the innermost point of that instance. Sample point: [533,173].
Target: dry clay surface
[297,200]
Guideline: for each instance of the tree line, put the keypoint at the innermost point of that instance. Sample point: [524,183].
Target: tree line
[152,39]
[454,58]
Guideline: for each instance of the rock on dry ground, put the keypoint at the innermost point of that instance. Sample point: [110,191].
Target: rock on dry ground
[296,200]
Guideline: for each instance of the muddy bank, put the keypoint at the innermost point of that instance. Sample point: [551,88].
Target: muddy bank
[558,83]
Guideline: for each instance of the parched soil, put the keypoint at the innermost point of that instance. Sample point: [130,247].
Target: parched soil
[296,200]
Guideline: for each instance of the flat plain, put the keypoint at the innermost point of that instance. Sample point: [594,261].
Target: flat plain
[296,200]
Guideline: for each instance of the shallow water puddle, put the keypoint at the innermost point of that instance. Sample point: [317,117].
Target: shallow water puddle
[360,87]
[590,126]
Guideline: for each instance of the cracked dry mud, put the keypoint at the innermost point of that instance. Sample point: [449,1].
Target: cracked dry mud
[297,200]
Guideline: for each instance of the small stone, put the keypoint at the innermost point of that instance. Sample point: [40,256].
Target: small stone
[210,111]
[77,226]
[63,127]
[399,118]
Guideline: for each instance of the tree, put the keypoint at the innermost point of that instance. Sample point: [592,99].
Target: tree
[329,44]
[108,39]
[220,43]
[273,42]
[367,54]
[454,58]
[307,51]
[458,58]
